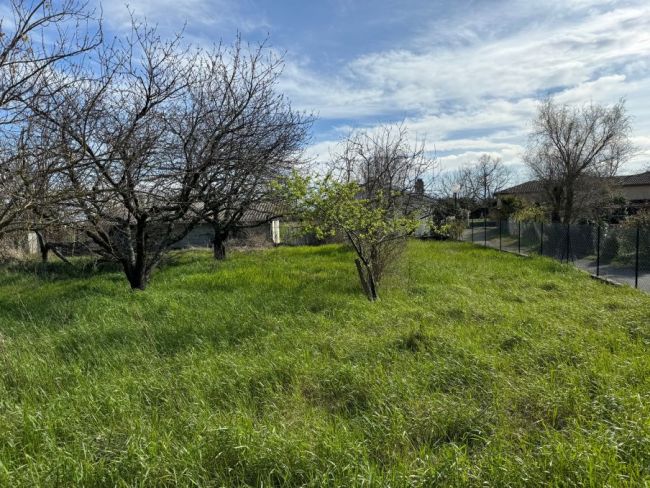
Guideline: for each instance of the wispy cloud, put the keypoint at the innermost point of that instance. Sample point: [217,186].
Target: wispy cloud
[465,74]
[482,78]
[204,19]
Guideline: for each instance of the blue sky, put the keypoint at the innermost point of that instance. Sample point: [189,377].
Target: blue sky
[465,75]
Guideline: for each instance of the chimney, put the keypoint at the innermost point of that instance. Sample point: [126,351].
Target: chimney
[419,186]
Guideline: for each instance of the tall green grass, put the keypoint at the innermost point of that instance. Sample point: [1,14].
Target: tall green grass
[272,369]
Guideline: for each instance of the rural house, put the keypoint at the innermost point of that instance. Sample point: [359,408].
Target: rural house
[634,189]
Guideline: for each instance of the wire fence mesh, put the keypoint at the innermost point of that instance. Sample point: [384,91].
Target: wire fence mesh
[619,253]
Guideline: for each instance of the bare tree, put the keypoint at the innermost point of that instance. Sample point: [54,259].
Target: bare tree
[573,151]
[36,187]
[37,39]
[476,184]
[143,142]
[247,137]
[386,162]
[131,188]
[485,178]
[47,190]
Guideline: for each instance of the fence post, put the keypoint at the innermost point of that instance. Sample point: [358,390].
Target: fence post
[598,250]
[636,260]
[499,234]
[519,237]
[568,242]
[541,241]
[485,230]
[471,226]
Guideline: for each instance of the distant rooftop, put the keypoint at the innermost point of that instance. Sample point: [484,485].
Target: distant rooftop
[534,186]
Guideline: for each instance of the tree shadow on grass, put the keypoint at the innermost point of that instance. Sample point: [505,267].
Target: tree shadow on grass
[82,268]
[58,270]
[58,295]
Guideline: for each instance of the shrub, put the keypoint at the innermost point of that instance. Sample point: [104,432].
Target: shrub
[641,220]
[507,207]
[452,229]
[534,213]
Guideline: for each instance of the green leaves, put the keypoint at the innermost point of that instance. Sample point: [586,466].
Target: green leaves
[375,226]
[326,206]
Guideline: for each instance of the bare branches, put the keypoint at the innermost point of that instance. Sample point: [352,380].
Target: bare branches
[39,35]
[573,151]
[156,137]
[39,42]
[483,179]
[244,134]
[383,159]
[478,182]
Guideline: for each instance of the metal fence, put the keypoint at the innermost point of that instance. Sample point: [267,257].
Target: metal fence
[616,252]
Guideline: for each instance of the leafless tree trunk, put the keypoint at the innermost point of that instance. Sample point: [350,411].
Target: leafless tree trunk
[219,243]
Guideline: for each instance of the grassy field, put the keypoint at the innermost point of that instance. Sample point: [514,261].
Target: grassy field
[476,367]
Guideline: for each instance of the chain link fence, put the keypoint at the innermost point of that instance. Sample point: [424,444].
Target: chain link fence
[619,253]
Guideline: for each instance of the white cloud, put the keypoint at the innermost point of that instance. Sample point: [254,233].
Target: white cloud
[172,15]
[585,51]
[470,83]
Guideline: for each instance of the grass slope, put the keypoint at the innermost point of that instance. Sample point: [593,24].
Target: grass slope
[271,368]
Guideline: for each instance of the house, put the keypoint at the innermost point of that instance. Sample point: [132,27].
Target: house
[260,227]
[634,189]
[260,234]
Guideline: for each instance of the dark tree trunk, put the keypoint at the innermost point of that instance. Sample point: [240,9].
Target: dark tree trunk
[372,285]
[45,254]
[219,243]
[557,194]
[136,271]
[137,276]
[58,254]
[218,249]
[368,282]
[362,277]
[568,206]
[43,247]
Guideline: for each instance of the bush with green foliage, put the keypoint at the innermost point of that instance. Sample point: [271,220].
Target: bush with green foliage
[640,221]
[449,229]
[374,228]
[531,213]
[507,207]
